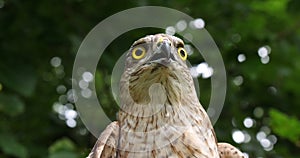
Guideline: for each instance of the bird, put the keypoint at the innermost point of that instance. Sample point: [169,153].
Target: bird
[160,115]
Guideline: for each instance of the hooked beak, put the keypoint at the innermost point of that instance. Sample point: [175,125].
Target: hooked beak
[162,54]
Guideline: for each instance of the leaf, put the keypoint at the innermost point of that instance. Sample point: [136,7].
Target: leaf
[285,126]
[63,144]
[274,7]
[11,146]
[11,104]
[63,148]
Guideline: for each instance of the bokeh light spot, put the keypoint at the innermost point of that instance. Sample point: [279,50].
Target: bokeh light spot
[181,25]
[238,80]
[241,58]
[260,135]
[238,136]
[87,76]
[70,114]
[55,61]
[170,30]
[258,112]
[71,123]
[86,93]
[248,122]
[262,52]
[83,84]
[197,23]
[189,49]
[265,60]
[61,89]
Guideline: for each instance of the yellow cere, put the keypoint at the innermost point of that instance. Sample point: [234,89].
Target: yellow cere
[161,39]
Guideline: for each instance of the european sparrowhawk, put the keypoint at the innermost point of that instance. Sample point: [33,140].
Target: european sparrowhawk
[160,115]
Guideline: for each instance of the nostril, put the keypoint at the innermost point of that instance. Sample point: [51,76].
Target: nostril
[159,44]
[165,47]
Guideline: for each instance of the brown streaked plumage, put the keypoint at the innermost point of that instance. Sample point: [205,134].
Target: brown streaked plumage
[228,151]
[160,113]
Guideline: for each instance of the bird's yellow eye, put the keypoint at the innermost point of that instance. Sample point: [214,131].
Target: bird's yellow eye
[138,53]
[182,53]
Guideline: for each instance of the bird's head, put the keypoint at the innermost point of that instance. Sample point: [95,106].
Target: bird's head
[158,59]
[156,51]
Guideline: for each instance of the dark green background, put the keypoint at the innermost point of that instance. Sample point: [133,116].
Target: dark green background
[33,32]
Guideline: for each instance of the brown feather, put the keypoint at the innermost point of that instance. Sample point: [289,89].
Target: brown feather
[228,151]
[106,144]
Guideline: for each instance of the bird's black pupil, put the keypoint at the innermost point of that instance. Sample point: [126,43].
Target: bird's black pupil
[182,53]
[138,52]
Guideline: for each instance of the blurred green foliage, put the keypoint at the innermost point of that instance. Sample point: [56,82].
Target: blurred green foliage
[33,32]
[291,129]
[62,148]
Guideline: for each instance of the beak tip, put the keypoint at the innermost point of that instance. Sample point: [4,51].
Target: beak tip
[163,51]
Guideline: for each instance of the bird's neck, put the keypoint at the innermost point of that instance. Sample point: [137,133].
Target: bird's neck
[157,110]
[158,100]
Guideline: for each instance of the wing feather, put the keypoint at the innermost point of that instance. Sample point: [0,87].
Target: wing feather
[106,145]
[228,151]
